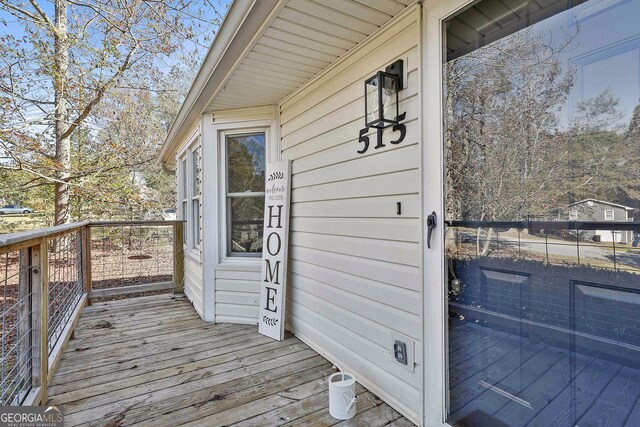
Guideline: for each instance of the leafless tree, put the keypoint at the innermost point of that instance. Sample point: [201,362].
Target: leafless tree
[69,57]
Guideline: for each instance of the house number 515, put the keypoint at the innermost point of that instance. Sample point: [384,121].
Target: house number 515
[364,139]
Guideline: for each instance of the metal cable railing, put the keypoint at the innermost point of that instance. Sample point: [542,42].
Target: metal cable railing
[571,284]
[46,279]
[598,244]
[124,255]
[16,328]
[65,282]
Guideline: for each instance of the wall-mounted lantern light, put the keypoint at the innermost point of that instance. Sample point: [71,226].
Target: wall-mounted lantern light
[381,96]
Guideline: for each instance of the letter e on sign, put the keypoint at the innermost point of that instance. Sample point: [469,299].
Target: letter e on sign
[275,246]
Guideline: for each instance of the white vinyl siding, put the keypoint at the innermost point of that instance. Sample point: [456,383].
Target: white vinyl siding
[189,195]
[355,264]
[237,296]
[193,283]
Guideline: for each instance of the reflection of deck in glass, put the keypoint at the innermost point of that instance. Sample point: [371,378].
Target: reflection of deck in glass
[505,378]
[544,326]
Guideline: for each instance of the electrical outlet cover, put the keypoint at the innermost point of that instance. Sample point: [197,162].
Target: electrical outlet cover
[408,350]
[400,352]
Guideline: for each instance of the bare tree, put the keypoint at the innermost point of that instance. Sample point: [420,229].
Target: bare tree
[501,105]
[71,55]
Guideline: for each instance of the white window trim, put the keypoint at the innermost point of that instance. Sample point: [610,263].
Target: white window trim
[216,183]
[223,216]
[224,188]
[573,214]
[613,214]
[195,242]
[185,193]
[183,204]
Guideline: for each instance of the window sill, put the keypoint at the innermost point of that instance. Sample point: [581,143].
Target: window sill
[192,255]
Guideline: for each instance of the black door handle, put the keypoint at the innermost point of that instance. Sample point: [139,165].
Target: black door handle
[432,221]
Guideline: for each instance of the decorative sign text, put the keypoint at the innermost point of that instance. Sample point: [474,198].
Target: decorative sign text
[274,250]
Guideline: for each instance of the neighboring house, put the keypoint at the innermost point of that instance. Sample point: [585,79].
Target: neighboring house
[285,79]
[599,210]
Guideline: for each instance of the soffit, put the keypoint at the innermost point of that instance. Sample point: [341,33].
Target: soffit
[304,38]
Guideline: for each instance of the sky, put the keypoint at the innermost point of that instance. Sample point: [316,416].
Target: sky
[606,51]
[198,46]
[599,40]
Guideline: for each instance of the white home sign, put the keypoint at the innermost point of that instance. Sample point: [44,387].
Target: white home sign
[274,250]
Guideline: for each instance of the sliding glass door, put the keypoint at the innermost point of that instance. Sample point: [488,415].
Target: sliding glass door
[541,108]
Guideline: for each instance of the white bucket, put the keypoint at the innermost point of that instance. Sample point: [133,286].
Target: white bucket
[342,396]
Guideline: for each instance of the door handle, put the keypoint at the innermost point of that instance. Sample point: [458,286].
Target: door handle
[432,221]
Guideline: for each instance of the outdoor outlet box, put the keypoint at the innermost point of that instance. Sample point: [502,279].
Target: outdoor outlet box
[404,349]
[400,352]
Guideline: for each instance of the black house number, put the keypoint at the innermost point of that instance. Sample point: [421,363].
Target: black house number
[363,138]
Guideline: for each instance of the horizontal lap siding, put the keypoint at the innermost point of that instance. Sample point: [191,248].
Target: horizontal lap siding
[237,296]
[355,264]
[193,282]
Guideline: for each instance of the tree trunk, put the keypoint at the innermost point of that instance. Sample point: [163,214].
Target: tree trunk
[451,208]
[487,242]
[62,119]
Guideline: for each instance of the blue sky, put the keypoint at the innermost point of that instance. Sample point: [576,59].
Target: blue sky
[10,25]
[214,9]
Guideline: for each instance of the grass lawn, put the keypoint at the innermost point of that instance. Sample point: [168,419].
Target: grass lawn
[24,222]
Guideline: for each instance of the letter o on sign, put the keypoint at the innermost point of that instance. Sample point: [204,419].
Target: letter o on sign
[269,244]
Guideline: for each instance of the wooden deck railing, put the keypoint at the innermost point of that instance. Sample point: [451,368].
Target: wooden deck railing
[47,276]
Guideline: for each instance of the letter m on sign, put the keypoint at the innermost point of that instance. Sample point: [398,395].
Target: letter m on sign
[275,247]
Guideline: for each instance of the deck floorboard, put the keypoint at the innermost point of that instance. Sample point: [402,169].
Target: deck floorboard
[151,361]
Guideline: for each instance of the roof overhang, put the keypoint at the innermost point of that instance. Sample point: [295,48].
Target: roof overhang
[267,49]
[241,23]
[603,202]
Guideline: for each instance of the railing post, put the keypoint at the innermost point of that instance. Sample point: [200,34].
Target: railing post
[86,261]
[40,317]
[178,257]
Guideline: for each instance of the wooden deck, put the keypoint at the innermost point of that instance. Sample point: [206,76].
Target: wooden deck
[506,380]
[152,361]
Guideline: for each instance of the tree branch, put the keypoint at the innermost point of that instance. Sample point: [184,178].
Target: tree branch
[44,16]
[21,11]
[100,93]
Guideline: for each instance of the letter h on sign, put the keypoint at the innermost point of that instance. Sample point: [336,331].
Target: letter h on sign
[274,251]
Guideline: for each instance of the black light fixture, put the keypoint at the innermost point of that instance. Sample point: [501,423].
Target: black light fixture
[381,96]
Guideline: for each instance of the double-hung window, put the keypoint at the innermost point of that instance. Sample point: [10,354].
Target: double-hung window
[189,188]
[609,215]
[244,193]
[182,191]
[195,198]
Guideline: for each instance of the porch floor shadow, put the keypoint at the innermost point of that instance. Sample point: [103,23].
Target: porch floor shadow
[152,361]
